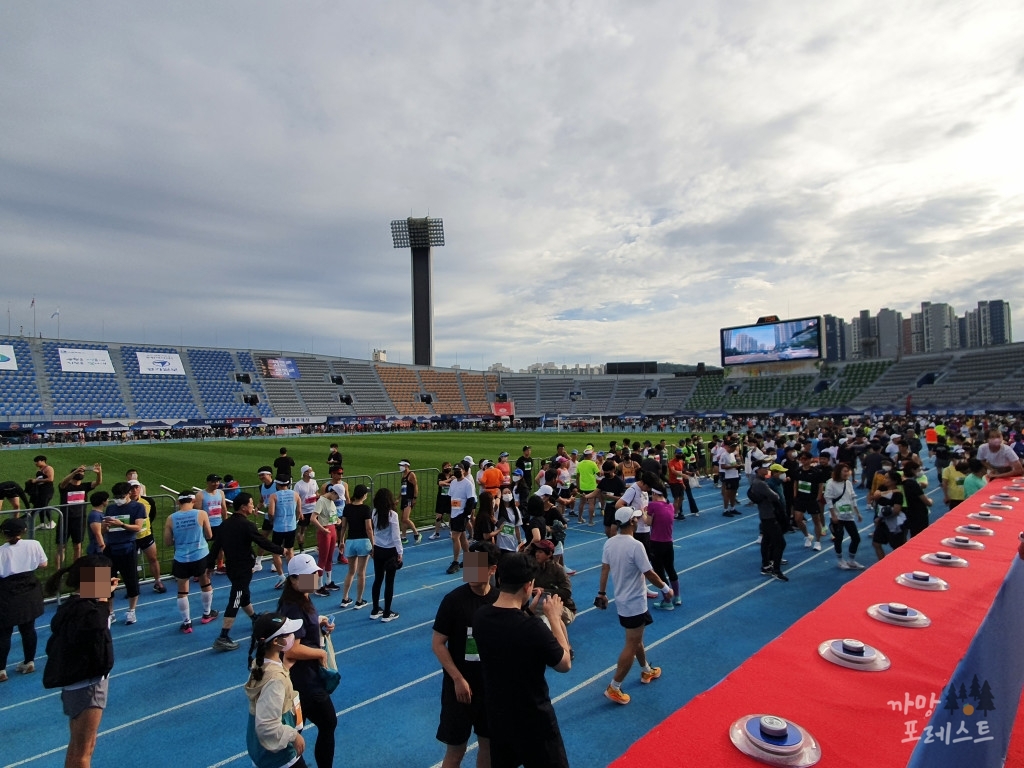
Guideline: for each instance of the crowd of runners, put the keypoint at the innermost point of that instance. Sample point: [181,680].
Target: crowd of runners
[507,520]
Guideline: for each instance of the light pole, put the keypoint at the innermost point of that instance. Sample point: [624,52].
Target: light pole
[420,235]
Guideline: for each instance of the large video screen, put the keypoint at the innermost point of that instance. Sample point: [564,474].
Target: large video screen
[772,342]
[278,368]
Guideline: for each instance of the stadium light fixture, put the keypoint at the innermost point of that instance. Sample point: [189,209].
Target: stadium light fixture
[417,233]
[420,235]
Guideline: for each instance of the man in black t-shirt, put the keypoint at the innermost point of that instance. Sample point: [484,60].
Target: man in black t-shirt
[525,463]
[462,687]
[334,458]
[73,495]
[808,484]
[515,650]
[611,487]
[284,464]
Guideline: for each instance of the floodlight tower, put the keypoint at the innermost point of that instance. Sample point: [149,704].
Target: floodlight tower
[420,235]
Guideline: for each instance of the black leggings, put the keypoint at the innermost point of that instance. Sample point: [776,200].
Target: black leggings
[318,708]
[28,641]
[381,557]
[664,560]
[851,528]
[124,563]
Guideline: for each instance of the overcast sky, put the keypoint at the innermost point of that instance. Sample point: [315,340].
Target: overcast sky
[617,180]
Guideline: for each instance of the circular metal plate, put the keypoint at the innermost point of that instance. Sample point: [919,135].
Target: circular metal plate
[880,612]
[747,736]
[878,663]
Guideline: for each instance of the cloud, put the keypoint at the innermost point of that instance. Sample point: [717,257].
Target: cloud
[616,181]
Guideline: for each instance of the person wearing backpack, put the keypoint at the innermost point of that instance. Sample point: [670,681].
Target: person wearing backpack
[80,651]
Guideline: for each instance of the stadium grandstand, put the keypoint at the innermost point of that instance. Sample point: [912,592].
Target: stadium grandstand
[87,385]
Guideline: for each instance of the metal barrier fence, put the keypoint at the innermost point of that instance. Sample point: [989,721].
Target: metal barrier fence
[426,500]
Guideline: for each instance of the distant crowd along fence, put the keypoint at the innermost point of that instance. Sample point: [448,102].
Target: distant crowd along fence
[164,504]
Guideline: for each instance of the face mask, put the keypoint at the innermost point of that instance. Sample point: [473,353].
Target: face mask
[78,477]
[458,474]
[506,497]
[120,502]
[288,643]
[312,474]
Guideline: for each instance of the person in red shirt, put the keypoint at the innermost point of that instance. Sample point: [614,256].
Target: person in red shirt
[679,484]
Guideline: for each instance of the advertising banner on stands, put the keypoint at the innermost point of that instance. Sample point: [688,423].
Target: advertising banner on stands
[8,360]
[160,363]
[85,360]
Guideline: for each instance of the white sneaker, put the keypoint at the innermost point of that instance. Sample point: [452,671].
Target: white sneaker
[854,565]
[434,536]
[808,540]
[129,617]
[843,565]
[816,546]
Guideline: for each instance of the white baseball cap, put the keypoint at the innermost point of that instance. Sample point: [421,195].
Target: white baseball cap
[624,514]
[301,565]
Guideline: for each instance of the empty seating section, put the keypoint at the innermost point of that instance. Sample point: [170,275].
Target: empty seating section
[707,395]
[80,395]
[443,387]
[477,388]
[321,396]
[158,396]
[522,391]
[629,395]
[845,383]
[19,392]
[210,389]
[553,394]
[672,393]
[596,395]
[748,394]
[369,398]
[404,388]
[899,380]
[215,371]
[971,378]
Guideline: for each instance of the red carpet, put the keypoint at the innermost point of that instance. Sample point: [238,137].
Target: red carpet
[848,711]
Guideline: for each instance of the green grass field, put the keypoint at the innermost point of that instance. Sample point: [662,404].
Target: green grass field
[367,458]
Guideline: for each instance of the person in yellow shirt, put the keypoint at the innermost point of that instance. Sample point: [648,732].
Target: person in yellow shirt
[953,484]
[145,542]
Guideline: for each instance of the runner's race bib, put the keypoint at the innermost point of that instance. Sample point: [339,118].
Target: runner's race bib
[803,486]
[845,511]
